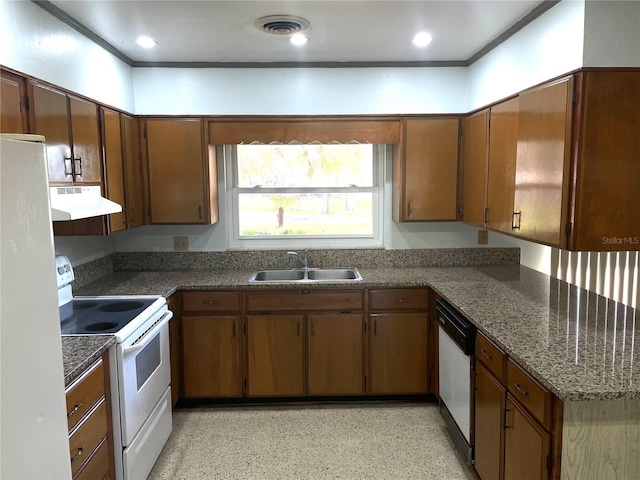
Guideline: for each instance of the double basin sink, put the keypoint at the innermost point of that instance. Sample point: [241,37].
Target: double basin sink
[306,275]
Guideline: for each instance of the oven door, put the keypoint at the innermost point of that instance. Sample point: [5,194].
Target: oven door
[144,373]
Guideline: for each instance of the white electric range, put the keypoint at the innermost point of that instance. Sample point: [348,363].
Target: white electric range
[140,372]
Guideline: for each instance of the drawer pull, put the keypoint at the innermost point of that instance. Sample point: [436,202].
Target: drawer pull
[80,450]
[401,300]
[210,302]
[483,352]
[519,388]
[75,408]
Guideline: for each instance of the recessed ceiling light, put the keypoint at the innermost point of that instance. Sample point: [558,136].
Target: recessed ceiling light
[298,39]
[422,39]
[146,42]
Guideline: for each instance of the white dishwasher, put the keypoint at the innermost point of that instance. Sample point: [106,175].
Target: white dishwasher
[456,350]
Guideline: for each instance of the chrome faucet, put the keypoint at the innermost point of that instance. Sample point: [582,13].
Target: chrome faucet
[305,260]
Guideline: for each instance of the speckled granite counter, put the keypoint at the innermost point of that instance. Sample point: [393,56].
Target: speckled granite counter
[80,352]
[577,344]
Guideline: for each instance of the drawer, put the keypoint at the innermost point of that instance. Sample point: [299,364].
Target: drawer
[305,300]
[398,299]
[533,396]
[211,301]
[87,436]
[491,356]
[84,393]
[97,466]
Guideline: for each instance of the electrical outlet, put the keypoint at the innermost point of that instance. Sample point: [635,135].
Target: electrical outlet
[483,237]
[181,244]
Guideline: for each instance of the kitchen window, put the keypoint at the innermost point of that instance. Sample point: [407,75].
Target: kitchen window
[304,195]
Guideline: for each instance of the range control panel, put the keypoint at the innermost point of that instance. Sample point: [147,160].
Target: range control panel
[64,272]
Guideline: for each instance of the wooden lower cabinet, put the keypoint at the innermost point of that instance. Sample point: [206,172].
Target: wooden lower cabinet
[398,353]
[517,420]
[489,425]
[275,355]
[335,354]
[527,445]
[89,421]
[175,348]
[211,356]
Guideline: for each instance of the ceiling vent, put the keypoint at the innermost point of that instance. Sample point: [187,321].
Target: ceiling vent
[281,24]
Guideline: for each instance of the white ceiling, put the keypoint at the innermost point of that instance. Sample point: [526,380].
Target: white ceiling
[341,31]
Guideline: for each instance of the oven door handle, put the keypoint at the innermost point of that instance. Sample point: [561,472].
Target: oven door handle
[147,337]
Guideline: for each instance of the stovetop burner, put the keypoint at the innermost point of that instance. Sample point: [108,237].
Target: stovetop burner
[94,316]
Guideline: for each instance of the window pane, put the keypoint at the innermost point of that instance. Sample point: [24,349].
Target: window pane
[295,214]
[277,166]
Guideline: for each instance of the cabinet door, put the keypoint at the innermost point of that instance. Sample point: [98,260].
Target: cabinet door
[50,117]
[542,163]
[526,445]
[175,352]
[12,116]
[503,143]
[489,425]
[607,180]
[334,354]
[431,169]
[398,353]
[133,168]
[85,136]
[177,175]
[211,356]
[114,168]
[275,355]
[475,131]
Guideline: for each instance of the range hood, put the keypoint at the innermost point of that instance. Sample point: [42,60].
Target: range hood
[74,203]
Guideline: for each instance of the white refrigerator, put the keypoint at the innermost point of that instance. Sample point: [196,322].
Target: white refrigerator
[34,440]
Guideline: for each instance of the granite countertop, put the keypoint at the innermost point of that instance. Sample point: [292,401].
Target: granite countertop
[576,343]
[79,352]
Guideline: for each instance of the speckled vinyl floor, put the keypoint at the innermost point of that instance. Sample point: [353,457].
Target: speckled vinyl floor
[363,441]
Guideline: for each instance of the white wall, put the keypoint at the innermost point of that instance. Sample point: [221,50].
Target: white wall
[612,34]
[37,44]
[299,91]
[546,48]
[550,46]
[83,249]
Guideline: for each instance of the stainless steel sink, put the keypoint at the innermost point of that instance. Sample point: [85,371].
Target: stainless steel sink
[310,275]
[288,275]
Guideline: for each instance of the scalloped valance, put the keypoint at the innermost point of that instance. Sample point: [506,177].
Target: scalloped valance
[304,130]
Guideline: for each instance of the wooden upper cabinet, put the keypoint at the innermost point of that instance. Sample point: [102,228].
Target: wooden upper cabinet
[114,167]
[133,171]
[503,143]
[72,132]
[85,135]
[182,175]
[50,117]
[542,163]
[13,118]
[606,157]
[425,172]
[475,131]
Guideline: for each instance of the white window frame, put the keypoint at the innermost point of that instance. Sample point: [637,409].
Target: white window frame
[235,242]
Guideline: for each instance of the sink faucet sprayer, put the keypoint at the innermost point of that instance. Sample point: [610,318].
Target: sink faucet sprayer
[305,260]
